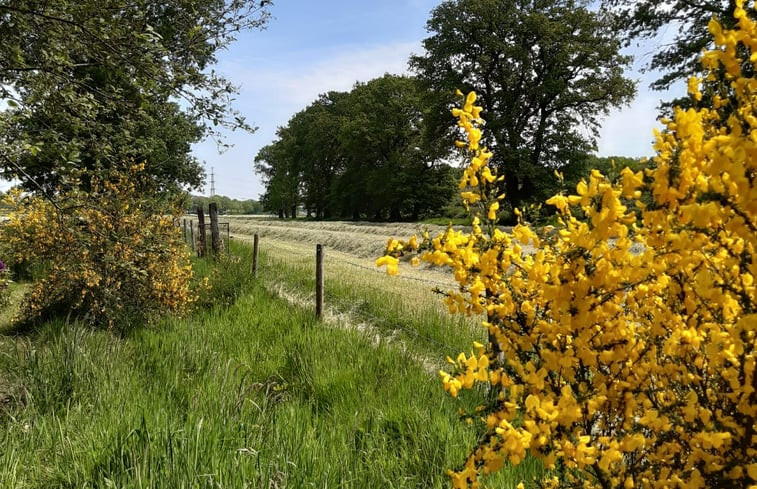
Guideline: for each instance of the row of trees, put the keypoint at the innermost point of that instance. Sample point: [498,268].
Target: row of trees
[546,72]
[86,85]
[359,154]
[226,205]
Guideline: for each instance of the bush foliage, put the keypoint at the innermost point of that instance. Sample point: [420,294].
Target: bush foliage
[112,255]
[621,351]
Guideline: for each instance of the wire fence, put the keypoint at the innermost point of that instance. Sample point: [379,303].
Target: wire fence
[394,288]
[191,233]
[408,292]
[426,281]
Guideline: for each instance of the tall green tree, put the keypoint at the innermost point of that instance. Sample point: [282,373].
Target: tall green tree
[545,72]
[675,59]
[388,163]
[314,132]
[91,84]
[362,154]
[280,171]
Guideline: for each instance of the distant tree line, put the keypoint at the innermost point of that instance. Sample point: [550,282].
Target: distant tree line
[226,205]
[546,72]
[363,154]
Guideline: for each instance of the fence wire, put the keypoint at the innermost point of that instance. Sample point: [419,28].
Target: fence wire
[352,304]
[402,276]
[397,287]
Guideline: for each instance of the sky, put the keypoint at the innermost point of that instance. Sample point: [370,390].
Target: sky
[311,47]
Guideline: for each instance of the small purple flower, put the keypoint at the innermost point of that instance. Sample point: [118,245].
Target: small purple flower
[2,266]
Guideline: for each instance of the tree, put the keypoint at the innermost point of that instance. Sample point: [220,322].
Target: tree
[226,205]
[679,59]
[389,172]
[545,71]
[281,176]
[315,135]
[358,154]
[90,84]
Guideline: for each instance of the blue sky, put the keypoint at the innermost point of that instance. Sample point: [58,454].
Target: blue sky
[308,48]
[312,47]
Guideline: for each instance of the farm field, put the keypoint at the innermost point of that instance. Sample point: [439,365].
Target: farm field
[256,394]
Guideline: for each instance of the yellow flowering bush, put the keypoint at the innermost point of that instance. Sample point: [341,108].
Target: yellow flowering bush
[621,346]
[111,255]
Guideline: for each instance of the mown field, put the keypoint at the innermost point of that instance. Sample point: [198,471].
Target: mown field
[252,391]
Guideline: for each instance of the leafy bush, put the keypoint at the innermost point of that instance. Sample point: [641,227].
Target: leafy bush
[111,255]
[621,351]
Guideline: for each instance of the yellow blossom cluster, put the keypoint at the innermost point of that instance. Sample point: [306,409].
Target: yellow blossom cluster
[110,255]
[621,348]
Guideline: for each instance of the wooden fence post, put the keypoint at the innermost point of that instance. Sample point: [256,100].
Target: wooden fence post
[192,234]
[255,256]
[318,280]
[215,236]
[200,232]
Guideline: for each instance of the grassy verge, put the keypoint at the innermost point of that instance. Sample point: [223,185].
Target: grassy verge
[252,394]
[381,301]
[16,292]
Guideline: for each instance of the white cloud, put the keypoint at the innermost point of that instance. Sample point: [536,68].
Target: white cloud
[629,131]
[298,84]
[272,92]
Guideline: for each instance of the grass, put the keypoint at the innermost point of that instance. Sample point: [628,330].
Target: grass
[405,307]
[16,291]
[446,221]
[407,312]
[252,393]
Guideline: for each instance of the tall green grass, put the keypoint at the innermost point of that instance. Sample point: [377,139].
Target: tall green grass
[253,393]
[422,325]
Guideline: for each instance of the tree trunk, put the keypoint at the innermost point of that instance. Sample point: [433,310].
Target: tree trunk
[394,214]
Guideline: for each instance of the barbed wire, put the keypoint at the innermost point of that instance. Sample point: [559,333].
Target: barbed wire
[400,276]
[342,304]
[388,324]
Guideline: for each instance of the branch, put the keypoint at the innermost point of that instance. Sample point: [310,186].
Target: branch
[31,179]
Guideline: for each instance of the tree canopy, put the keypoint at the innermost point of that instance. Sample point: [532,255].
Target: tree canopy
[677,59]
[226,205]
[545,72]
[362,154]
[89,84]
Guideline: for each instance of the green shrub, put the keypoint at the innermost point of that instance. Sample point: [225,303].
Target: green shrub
[110,256]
